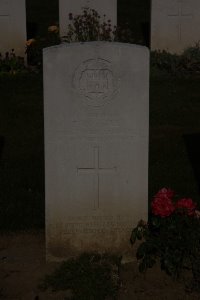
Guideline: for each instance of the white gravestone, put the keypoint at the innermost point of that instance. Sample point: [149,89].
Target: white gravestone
[175,24]
[103,7]
[13,26]
[96,146]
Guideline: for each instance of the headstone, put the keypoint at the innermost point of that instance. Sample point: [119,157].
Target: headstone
[12,26]
[103,7]
[175,24]
[96,146]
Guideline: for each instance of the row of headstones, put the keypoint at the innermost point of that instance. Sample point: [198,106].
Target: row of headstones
[13,19]
[175,24]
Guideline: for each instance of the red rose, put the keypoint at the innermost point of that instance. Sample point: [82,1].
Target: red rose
[162,206]
[186,205]
[164,193]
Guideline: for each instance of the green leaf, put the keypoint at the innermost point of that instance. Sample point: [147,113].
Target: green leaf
[133,236]
[142,266]
[141,251]
[151,262]
[139,235]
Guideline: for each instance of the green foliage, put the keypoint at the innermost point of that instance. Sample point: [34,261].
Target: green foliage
[193,53]
[164,60]
[90,277]
[172,235]
[89,27]
[10,63]
[135,12]
[186,63]
[173,240]
[191,58]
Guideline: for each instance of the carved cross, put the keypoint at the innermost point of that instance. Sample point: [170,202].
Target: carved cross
[96,171]
[179,16]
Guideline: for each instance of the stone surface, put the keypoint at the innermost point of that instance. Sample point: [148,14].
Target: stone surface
[96,146]
[103,7]
[175,24]
[12,26]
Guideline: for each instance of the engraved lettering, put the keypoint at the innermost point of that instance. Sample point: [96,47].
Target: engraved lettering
[94,224]
[95,80]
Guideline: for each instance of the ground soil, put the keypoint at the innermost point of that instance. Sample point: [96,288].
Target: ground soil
[23,266]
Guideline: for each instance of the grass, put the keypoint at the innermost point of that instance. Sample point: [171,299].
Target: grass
[174,111]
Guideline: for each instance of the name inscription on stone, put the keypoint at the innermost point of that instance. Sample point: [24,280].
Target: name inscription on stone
[94,224]
[95,80]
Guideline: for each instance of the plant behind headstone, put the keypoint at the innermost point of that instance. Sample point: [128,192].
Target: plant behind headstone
[186,63]
[85,27]
[89,26]
[11,63]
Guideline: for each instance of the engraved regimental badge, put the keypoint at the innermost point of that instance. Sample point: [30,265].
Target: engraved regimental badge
[94,79]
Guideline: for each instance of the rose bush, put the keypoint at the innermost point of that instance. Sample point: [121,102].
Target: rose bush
[186,205]
[34,46]
[162,204]
[165,194]
[172,235]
